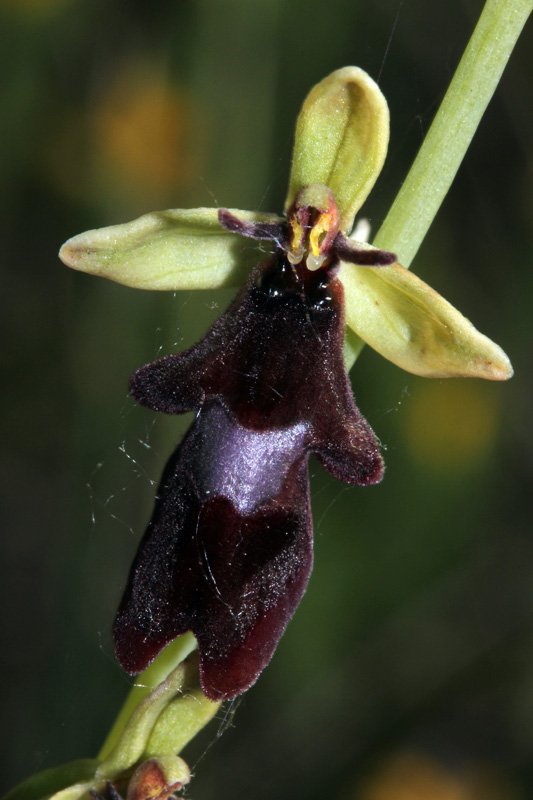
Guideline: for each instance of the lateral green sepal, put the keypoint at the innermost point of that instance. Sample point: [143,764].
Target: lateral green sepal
[413,326]
[167,250]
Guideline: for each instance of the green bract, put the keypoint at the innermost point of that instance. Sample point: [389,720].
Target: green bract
[341,141]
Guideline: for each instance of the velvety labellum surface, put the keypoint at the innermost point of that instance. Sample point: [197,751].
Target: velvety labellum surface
[228,551]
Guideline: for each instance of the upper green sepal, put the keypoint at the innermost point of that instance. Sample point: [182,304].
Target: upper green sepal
[167,250]
[413,326]
[341,140]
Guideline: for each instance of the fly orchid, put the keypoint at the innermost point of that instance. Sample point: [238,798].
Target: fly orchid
[228,551]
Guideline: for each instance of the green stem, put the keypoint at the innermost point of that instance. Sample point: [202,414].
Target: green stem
[450,134]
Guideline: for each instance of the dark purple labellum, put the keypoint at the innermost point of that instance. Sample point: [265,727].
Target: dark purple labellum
[228,551]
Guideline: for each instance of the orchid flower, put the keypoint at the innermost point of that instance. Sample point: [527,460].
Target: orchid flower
[341,141]
[228,551]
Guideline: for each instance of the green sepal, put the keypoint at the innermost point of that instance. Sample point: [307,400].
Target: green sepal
[409,323]
[167,250]
[341,140]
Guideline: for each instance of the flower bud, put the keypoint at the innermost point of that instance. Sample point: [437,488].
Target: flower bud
[158,778]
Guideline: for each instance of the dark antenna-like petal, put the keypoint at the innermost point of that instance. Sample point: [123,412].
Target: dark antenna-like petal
[252,230]
[348,250]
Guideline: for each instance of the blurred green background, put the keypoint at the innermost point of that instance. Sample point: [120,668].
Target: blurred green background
[407,673]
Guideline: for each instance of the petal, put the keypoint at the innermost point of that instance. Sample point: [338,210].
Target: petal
[167,250]
[409,323]
[341,140]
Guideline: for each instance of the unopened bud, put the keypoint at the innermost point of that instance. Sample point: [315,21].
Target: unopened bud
[158,778]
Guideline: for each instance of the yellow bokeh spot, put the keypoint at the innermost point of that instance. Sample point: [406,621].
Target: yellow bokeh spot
[133,144]
[142,131]
[451,424]
[411,777]
[417,776]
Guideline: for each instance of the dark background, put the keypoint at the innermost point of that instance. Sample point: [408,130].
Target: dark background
[407,673]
